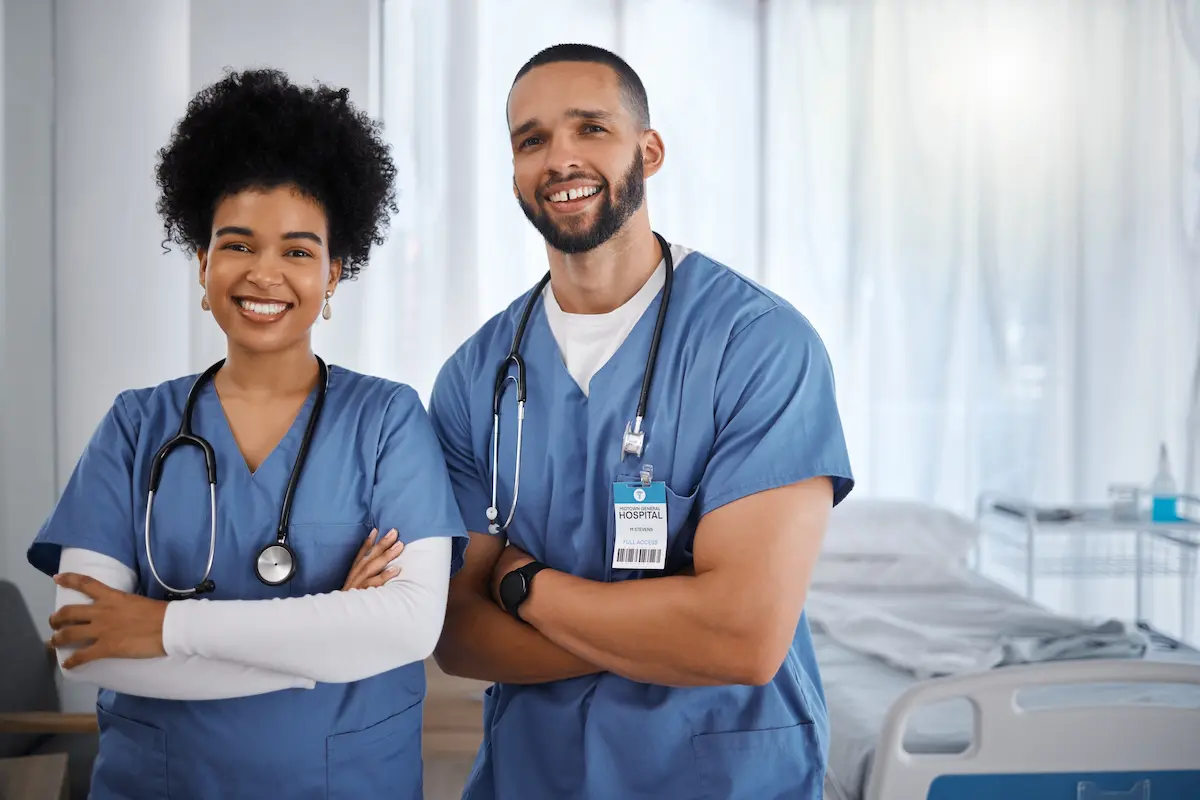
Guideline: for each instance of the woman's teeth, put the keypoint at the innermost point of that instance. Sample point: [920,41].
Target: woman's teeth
[266,309]
[573,194]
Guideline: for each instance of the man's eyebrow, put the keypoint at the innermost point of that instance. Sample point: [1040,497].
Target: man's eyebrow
[589,113]
[524,128]
[573,113]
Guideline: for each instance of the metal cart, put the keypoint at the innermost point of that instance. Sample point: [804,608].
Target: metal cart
[1031,541]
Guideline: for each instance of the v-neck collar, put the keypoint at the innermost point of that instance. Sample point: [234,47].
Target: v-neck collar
[636,338]
[217,409]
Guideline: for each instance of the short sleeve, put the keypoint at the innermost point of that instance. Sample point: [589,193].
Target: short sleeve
[777,419]
[95,511]
[412,491]
[448,407]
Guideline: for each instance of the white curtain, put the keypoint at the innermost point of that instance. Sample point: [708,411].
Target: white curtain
[988,208]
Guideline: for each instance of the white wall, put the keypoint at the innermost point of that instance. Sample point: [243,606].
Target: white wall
[27,418]
[89,303]
[118,298]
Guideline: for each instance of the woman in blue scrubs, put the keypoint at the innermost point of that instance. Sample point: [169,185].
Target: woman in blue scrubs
[640,609]
[258,680]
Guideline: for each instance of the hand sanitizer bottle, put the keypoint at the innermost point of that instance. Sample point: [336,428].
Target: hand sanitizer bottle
[1163,492]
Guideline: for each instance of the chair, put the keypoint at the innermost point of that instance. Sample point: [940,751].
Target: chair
[31,718]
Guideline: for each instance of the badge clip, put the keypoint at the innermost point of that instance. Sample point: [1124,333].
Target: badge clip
[647,474]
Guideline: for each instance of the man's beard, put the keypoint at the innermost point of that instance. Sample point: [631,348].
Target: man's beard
[616,207]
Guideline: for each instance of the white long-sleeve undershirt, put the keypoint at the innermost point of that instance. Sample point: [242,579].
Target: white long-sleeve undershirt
[220,649]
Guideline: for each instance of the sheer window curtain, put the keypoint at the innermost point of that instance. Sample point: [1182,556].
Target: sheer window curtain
[987,208]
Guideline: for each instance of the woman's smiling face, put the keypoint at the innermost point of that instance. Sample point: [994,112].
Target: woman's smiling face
[267,271]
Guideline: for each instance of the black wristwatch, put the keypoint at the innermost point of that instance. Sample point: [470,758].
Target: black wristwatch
[514,587]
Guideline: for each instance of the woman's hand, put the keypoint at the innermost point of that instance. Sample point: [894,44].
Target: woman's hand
[115,625]
[370,567]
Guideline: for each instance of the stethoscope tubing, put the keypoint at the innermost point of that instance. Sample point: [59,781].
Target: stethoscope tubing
[185,437]
[514,358]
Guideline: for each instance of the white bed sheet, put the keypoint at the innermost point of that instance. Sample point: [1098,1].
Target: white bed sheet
[934,618]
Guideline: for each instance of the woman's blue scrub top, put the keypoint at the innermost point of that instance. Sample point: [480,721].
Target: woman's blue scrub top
[742,401]
[374,462]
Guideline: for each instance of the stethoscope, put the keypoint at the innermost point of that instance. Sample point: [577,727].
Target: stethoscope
[632,441]
[276,563]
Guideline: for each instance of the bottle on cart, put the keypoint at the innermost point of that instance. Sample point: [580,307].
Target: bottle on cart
[1163,493]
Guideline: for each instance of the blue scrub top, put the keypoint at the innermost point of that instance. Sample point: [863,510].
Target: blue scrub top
[742,401]
[374,462]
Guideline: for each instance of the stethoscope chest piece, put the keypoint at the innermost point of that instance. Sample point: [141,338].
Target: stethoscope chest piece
[633,441]
[276,564]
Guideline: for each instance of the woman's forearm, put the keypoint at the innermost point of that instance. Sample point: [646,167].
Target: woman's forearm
[337,637]
[168,678]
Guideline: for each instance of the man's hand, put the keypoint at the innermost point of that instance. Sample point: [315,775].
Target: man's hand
[370,567]
[115,625]
[511,557]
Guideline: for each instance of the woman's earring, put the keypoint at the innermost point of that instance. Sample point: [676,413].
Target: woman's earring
[327,312]
[204,302]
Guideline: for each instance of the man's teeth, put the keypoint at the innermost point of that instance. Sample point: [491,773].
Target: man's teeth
[573,194]
[266,309]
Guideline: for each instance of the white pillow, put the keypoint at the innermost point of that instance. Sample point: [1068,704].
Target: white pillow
[870,527]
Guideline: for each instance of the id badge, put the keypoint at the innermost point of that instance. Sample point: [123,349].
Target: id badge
[641,530]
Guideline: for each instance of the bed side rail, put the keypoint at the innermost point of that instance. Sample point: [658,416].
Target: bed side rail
[1009,740]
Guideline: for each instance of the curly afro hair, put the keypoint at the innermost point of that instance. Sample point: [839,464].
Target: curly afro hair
[257,130]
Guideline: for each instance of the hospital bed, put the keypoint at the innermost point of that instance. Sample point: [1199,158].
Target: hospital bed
[943,684]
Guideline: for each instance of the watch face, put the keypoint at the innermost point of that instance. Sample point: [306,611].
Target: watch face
[512,590]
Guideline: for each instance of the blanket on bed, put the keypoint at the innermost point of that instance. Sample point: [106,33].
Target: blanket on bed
[934,619]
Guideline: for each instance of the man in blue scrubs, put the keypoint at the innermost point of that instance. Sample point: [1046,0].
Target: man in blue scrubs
[639,609]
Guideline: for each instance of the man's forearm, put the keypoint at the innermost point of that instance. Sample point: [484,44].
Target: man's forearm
[483,642]
[664,631]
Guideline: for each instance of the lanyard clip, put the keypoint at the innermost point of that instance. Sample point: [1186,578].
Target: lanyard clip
[647,474]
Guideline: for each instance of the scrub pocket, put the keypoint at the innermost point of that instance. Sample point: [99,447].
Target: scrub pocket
[775,764]
[375,761]
[681,531]
[132,760]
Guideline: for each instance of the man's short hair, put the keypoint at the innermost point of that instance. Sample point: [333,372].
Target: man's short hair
[632,90]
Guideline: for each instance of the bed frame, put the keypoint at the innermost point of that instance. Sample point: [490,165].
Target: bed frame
[1075,753]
